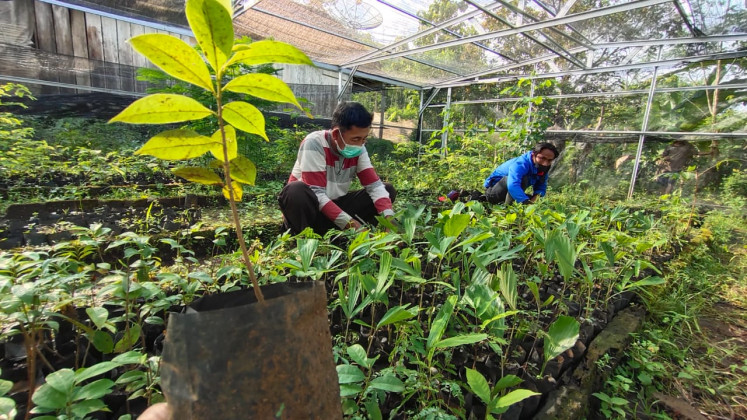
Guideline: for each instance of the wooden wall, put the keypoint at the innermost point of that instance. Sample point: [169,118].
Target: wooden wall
[97,47]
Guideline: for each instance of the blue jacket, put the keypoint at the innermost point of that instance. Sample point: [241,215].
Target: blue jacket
[515,169]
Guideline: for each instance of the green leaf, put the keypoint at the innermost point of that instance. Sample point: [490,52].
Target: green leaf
[98,316]
[200,175]
[347,390]
[212,26]
[508,284]
[395,315]
[388,383]
[373,410]
[513,397]
[5,386]
[268,51]
[358,354]
[507,382]
[460,340]
[243,170]
[479,385]
[441,321]
[133,357]
[94,390]
[348,374]
[86,373]
[7,407]
[263,86]
[175,57]
[83,408]
[62,380]
[245,117]
[561,336]
[231,144]
[162,108]
[103,341]
[47,399]
[648,281]
[456,224]
[602,396]
[178,145]
[131,337]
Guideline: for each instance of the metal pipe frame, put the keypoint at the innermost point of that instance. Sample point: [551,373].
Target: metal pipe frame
[644,126]
[620,133]
[553,13]
[557,50]
[342,87]
[450,32]
[663,63]
[597,94]
[623,44]
[27,81]
[440,26]
[328,32]
[586,43]
[637,4]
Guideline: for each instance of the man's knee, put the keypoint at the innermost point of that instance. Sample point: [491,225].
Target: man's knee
[392,192]
[297,195]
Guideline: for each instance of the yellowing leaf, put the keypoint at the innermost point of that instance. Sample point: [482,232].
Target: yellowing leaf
[238,191]
[245,117]
[199,175]
[175,57]
[243,170]
[268,51]
[177,145]
[212,26]
[231,144]
[263,86]
[162,108]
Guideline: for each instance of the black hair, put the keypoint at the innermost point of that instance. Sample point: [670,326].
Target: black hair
[349,114]
[547,146]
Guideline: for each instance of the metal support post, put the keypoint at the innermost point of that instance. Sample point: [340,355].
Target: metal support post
[644,127]
[445,134]
[381,117]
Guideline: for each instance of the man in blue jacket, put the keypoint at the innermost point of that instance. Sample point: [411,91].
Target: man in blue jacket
[508,182]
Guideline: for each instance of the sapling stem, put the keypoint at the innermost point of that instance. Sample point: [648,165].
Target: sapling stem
[232,199]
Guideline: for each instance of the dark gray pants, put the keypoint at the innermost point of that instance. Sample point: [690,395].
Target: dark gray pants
[300,207]
[498,193]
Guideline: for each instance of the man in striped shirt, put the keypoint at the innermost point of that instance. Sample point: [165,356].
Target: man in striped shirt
[317,194]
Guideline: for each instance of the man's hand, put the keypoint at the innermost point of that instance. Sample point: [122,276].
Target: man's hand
[534,198]
[354,224]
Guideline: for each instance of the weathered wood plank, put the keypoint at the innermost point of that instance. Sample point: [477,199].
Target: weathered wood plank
[94,38]
[95,48]
[62,30]
[78,31]
[137,59]
[45,41]
[80,48]
[44,27]
[111,53]
[126,71]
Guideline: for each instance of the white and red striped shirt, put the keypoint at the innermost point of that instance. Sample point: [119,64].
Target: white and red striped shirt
[329,175]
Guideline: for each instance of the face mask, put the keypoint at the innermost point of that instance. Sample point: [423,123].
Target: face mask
[351,151]
[543,168]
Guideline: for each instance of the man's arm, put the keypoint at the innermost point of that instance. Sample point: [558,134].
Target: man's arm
[513,182]
[312,158]
[374,187]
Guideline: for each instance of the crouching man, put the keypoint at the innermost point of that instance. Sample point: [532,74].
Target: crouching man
[510,180]
[317,194]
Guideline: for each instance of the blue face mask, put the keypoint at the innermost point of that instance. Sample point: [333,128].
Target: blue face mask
[351,151]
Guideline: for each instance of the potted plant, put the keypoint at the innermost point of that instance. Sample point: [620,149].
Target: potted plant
[247,354]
